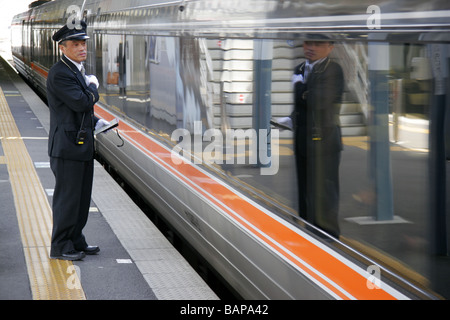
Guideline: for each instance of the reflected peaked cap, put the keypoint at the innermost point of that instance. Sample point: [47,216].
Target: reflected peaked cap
[65,33]
[318,37]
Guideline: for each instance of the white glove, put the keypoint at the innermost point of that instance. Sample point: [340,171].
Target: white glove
[101,123]
[92,79]
[297,78]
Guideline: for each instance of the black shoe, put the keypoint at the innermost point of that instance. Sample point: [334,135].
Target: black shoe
[71,256]
[91,250]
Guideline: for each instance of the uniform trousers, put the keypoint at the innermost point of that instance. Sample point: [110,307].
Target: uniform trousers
[318,184]
[71,202]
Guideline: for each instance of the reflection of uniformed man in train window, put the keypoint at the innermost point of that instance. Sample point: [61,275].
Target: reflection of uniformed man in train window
[71,98]
[318,87]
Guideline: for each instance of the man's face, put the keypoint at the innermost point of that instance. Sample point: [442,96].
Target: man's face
[75,50]
[316,50]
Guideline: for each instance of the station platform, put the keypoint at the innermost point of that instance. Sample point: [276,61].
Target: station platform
[136,261]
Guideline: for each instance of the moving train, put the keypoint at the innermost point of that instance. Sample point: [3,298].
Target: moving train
[200,88]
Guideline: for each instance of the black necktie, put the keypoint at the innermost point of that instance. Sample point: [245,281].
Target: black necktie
[83,73]
[308,70]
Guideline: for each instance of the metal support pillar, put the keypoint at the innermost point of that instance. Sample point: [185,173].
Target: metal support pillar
[380,162]
[262,99]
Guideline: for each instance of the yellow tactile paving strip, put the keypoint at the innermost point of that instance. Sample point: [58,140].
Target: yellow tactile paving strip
[49,279]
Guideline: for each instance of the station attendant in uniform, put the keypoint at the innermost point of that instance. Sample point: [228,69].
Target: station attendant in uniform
[318,87]
[71,98]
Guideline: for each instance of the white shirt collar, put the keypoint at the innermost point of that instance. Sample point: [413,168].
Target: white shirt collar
[314,63]
[77,64]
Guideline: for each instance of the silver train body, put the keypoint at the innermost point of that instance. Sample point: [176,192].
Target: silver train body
[181,75]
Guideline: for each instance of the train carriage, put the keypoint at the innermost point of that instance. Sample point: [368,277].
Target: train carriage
[197,86]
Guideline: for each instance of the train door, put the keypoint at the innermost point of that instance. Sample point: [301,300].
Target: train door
[24,39]
[32,41]
[121,64]
[136,67]
[31,51]
[190,74]
[112,66]
[27,46]
[125,74]
[135,73]
[163,61]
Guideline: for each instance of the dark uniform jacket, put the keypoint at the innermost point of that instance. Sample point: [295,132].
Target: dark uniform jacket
[317,107]
[70,99]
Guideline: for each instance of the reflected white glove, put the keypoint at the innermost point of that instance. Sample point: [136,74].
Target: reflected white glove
[297,78]
[287,121]
[101,123]
[92,79]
